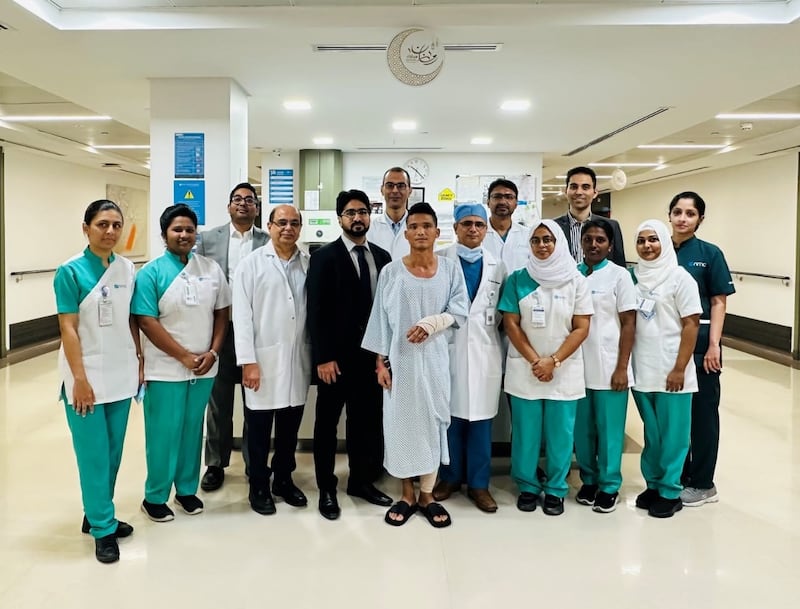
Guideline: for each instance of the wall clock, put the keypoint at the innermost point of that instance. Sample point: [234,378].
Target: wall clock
[417,169]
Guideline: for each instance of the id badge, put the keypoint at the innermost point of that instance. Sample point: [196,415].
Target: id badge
[490,317]
[537,317]
[105,313]
[190,295]
[647,308]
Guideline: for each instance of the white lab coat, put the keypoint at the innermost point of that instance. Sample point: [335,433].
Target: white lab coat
[381,234]
[514,251]
[108,352]
[476,353]
[658,338]
[192,326]
[269,331]
[612,293]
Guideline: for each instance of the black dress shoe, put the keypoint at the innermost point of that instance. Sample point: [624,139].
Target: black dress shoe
[123,528]
[290,493]
[369,493]
[328,505]
[212,479]
[106,549]
[262,502]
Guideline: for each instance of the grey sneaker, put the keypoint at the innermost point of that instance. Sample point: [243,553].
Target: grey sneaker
[695,497]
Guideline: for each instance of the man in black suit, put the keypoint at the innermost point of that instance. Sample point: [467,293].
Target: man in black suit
[341,282]
[581,191]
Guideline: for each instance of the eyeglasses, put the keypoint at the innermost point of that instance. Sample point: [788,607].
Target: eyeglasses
[285,223]
[238,200]
[401,186]
[500,196]
[543,240]
[352,213]
[470,223]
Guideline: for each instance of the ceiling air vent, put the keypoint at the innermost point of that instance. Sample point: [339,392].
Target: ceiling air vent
[110,165]
[393,148]
[4,27]
[672,175]
[490,47]
[778,150]
[617,131]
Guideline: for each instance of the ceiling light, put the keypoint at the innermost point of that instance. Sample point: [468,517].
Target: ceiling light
[624,164]
[297,105]
[660,167]
[728,149]
[515,105]
[122,147]
[681,146]
[761,116]
[481,141]
[52,119]
[404,126]
[323,141]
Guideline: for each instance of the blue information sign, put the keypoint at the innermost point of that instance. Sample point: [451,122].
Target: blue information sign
[281,186]
[190,152]
[193,194]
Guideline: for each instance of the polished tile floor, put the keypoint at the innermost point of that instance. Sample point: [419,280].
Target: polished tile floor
[742,552]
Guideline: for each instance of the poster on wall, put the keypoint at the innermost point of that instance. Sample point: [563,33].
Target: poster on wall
[193,194]
[134,203]
[281,187]
[190,153]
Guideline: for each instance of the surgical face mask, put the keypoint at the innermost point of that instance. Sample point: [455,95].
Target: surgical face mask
[470,255]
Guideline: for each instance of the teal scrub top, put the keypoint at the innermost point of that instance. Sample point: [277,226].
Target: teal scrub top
[76,278]
[153,280]
[518,285]
[583,268]
[706,264]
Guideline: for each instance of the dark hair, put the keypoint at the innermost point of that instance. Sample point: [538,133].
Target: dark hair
[422,208]
[95,207]
[699,204]
[392,170]
[246,185]
[582,170]
[272,213]
[346,196]
[176,211]
[600,223]
[502,182]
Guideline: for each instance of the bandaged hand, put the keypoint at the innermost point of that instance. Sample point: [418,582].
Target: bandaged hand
[436,323]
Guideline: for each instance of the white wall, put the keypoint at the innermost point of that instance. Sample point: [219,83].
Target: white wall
[44,203]
[751,215]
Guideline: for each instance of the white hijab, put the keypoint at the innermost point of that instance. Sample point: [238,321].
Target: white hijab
[560,267]
[652,273]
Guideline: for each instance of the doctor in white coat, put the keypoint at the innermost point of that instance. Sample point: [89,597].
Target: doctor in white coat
[505,239]
[272,346]
[388,230]
[476,364]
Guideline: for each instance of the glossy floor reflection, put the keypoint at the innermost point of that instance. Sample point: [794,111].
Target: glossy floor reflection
[741,552]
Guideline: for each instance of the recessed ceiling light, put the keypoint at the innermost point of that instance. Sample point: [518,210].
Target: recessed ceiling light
[515,105]
[761,116]
[404,126]
[660,167]
[296,105]
[52,119]
[624,164]
[481,141]
[323,141]
[728,149]
[681,146]
[122,147]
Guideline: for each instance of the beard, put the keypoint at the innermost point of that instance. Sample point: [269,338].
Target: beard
[357,229]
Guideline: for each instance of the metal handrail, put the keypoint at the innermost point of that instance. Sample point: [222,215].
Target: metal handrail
[20,274]
[784,278]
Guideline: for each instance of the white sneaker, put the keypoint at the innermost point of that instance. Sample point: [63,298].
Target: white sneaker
[695,497]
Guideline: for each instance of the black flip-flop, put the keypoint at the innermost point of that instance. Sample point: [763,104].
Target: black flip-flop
[432,510]
[401,508]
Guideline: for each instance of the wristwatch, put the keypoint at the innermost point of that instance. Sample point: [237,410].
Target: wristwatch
[556,361]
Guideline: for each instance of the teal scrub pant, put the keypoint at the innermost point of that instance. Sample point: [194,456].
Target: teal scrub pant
[528,419]
[667,419]
[173,432]
[97,440]
[600,437]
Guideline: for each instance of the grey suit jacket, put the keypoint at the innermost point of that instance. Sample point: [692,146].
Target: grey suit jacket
[213,243]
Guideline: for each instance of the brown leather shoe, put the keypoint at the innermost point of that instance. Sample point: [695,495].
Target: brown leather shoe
[443,490]
[483,499]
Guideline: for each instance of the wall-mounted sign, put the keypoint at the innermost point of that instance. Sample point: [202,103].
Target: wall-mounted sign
[447,195]
[190,153]
[281,186]
[193,194]
[415,56]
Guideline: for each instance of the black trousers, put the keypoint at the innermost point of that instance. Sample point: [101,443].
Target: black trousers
[259,432]
[701,461]
[219,415]
[357,388]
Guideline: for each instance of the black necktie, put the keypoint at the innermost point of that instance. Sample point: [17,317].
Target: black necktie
[365,285]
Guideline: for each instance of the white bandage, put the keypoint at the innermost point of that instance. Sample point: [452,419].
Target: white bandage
[436,323]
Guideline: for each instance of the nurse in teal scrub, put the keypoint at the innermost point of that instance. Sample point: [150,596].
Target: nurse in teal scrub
[99,369]
[182,304]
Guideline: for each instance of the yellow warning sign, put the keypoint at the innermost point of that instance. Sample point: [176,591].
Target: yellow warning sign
[447,195]
[188,196]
